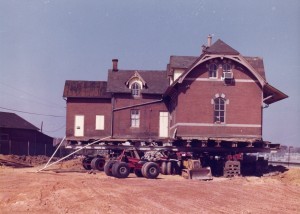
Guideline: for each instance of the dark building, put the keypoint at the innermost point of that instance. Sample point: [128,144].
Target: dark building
[219,95]
[19,137]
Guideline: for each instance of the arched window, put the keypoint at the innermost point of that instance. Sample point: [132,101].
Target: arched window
[135,89]
[219,110]
[213,70]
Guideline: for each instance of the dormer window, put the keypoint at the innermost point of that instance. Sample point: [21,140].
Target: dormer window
[135,89]
[136,84]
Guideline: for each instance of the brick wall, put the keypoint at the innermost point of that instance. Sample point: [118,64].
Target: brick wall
[194,114]
[149,117]
[89,108]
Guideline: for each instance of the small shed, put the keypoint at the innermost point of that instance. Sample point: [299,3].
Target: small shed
[19,137]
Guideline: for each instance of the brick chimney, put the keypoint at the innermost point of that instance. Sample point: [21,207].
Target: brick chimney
[115,65]
[209,40]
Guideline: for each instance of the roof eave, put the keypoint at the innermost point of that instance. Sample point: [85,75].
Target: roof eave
[272,94]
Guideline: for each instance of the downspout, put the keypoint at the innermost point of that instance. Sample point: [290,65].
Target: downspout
[137,105]
[262,107]
[112,116]
[267,99]
[66,119]
[126,107]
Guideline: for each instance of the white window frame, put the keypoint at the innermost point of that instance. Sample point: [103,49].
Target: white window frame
[100,122]
[218,110]
[211,71]
[136,89]
[135,118]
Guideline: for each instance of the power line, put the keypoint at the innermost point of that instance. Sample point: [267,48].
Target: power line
[55,130]
[31,100]
[48,115]
[37,97]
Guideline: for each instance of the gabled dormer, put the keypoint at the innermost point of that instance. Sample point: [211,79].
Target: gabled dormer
[136,84]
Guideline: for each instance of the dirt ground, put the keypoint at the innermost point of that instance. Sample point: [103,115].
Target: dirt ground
[67,188]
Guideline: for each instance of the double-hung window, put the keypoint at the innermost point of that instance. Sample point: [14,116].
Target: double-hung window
[226,67]
[135,118]
[212,70]
[219,110]
[135,89]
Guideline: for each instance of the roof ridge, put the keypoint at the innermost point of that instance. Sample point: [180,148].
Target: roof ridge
[220,47]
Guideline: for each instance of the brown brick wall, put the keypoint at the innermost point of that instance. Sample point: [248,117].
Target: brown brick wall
[149,117]
[195,105]
[89,108]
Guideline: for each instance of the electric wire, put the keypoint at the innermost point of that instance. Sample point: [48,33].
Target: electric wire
[26,112]
[55,130]
[36,97]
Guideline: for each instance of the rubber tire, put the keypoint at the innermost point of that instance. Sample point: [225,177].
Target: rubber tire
[169,168]
[138,173]
[108,167]
[86,163]
[143,169]
[120,170]
[93,165]
[98,164]
[164,167]
[151,170]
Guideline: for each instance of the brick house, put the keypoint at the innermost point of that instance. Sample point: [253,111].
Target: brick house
[218,96]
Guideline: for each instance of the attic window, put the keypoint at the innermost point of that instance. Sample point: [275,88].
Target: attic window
[212,70]
[136,83]
[135,89]
[226,67]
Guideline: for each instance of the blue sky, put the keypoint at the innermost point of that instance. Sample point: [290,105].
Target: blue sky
[44,43]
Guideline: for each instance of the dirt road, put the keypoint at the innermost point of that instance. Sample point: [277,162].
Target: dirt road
[23,190]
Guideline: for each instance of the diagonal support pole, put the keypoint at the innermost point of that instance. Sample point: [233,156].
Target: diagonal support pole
[48,165]
[61,142]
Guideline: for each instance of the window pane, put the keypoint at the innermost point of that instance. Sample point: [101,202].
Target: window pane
[219,110]
[135,89]
[135,118]
[226,67]
[212,70]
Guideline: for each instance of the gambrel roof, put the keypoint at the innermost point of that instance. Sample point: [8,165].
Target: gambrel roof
[157,81]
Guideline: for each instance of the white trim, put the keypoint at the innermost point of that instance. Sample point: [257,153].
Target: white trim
[236,58]
[99,122]
[210,79]
[79,126]
[215,124]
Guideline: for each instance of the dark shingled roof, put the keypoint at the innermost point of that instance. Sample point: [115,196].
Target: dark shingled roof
[220,47]
[156,81]
[86,89]
[13,121]
[258,64]
[182,61]
[185,62]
